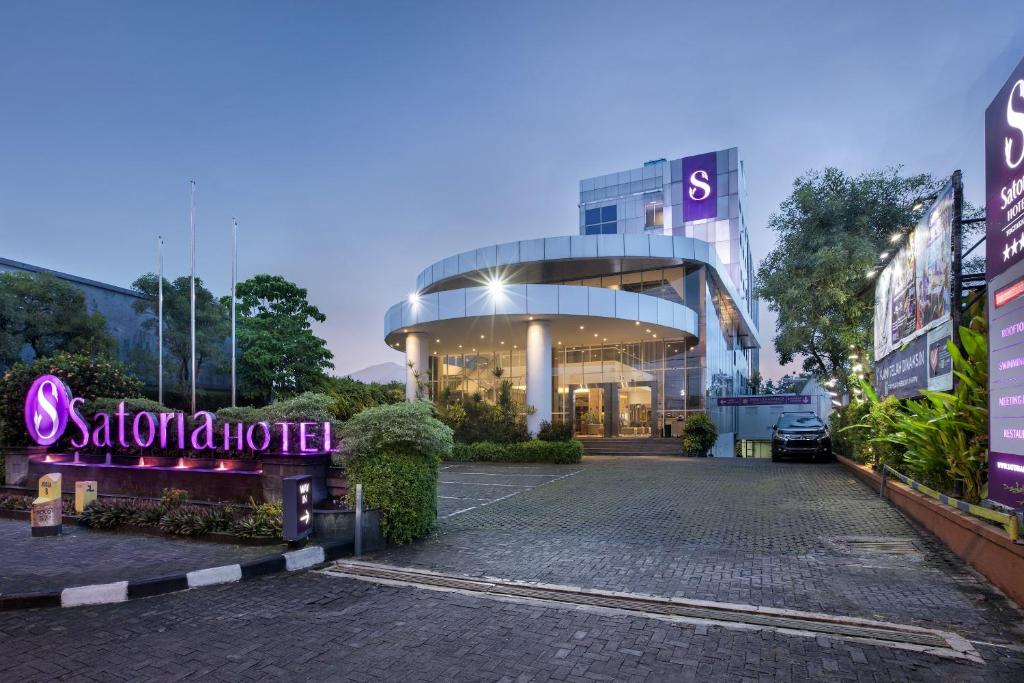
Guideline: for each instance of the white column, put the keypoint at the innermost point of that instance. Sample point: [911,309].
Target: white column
[416,361]
[538,373]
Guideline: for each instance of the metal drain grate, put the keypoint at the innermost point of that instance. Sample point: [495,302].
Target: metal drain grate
[892,547]
[894,635]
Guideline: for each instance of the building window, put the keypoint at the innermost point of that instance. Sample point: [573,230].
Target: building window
[600,221]
[654,214]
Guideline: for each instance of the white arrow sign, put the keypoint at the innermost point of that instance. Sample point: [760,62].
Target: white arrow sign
[305,518]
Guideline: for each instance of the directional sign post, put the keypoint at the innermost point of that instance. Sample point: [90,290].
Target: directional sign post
[298,507]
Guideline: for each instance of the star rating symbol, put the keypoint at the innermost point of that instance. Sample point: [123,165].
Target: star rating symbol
[1013,247]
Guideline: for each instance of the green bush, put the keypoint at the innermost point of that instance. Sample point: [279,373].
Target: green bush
[559,431]
[408,427]
[555,452]
[699,434]
[352,396]
[474,419]
[88,377]
[308,406]
[394,451]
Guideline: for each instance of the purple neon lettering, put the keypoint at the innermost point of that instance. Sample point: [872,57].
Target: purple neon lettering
[205,430]
[181,430]
[79,422]
[327,437]
[239,440]
[303,437]
[284,434]
[165,418]
[121,432]
[136,432]
[102,428]
[265,426]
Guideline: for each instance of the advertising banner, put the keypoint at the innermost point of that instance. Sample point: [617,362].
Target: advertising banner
[1004,233]
[769,400]
[912,294]
[924,363]
[700,187]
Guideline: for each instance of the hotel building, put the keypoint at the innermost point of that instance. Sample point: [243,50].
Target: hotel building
[622,330]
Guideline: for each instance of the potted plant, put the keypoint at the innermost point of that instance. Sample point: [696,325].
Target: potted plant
[699,435]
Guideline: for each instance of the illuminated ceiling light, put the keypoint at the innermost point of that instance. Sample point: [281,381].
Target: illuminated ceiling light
[481,336]
[502,343]
[530,318]
[581,327]
[414,297]
[605,339]
[648,331]
[438,341]
[655,336]
[496,287]
[460,346]
[474,350]
[637,322]
[515,346]
[559,343]
[595,334]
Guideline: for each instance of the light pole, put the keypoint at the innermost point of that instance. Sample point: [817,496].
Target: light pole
[160,319]
[234,287]
[192,284]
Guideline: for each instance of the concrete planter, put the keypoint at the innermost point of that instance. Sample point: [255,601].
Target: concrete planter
[340,525]
[983,546]
[277,467]
[16,461]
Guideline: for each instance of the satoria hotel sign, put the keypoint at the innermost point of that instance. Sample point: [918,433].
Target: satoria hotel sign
[1004,217]
[700,187]
[50,409]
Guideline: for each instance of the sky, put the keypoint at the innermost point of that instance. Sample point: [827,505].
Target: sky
[357,143]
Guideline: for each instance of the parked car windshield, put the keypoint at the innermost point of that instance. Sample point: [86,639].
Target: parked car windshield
[799,422]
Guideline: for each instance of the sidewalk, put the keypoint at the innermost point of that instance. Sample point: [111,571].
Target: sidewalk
[83,556]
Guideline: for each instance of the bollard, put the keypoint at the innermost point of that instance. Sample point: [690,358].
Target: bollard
[359,521]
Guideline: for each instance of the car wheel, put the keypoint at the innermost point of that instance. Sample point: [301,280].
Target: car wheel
[776,457]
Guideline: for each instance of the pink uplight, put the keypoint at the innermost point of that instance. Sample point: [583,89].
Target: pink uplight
[47,459]
[142,462]
[221,466]
[181,464]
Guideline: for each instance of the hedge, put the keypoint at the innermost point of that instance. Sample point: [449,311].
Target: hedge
[555,452]
[394,451]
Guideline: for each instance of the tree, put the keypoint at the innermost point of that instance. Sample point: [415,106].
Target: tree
[278,354]
[769,388]
[830,231]
[49,315]
[212,325]
[756,382]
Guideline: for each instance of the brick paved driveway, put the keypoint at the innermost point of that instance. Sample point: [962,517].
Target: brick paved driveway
[729,530]
[743,531]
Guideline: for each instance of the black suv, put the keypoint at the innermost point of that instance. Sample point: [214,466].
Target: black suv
[801,434]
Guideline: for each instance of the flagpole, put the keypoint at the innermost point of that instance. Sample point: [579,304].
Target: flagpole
[160,318]
[234,287]
[192,283]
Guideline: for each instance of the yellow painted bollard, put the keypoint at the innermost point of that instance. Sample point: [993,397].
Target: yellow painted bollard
[49,487]
[85,493]
[48,509]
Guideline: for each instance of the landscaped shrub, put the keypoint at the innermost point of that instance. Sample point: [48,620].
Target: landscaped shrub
[352,396]
[536,450]
[394,452]
[559,431]
[699,434]
[87,377]
[474,419]
[308,406]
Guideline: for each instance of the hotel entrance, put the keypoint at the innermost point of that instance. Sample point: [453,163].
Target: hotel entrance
[608,409]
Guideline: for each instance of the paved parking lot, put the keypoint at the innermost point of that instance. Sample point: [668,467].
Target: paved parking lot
[464,487]
[786,535]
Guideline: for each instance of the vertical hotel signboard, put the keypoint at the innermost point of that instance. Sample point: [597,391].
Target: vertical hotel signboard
[1004,219]
[700,187]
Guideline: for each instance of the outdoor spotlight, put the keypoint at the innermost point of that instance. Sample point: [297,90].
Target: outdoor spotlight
[896,238]
[884,255]
[870,274]
[414,297]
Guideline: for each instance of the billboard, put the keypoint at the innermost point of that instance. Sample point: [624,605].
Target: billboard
[923,363]
[912,294]
[700,186]
[1004,236]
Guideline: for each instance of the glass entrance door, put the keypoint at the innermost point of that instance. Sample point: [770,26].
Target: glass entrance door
[589,411]
[635,411]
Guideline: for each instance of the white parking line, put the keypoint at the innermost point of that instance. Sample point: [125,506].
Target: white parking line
[514,493]
[500,474]
[477,483]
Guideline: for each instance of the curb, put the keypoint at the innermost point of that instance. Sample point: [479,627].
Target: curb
[122,591]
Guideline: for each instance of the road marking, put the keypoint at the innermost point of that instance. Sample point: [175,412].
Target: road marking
[498,500]
[500,474]
[477,483]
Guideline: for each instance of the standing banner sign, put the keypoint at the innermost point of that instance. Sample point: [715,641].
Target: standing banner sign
[1004,236]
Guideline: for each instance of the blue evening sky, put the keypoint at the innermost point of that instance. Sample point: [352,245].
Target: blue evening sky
[358,143]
